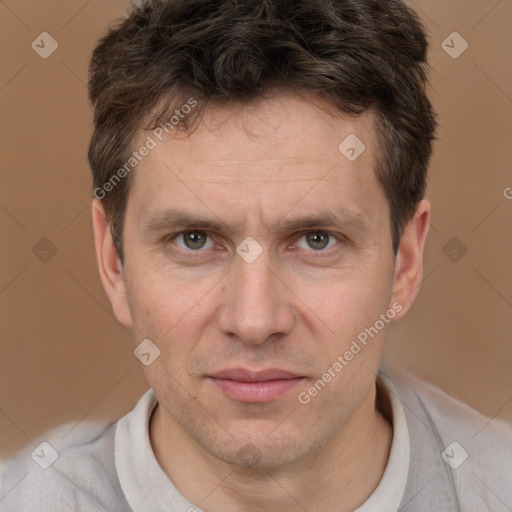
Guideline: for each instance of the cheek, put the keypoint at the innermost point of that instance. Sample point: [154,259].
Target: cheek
[345,304]
[169,312]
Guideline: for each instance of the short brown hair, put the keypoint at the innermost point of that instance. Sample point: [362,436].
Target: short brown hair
[357,54]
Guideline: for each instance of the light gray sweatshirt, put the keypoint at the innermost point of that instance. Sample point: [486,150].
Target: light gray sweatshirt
[445,457]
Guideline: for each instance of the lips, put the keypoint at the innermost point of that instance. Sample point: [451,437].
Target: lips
[260,386]
[241,375]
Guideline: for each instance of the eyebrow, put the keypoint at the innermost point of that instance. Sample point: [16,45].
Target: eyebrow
[176,219]
[340,217]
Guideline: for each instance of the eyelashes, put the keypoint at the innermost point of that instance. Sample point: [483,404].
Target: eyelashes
[314,241]
[193,240]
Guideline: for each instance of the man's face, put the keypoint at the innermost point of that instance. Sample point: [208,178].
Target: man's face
[272,172]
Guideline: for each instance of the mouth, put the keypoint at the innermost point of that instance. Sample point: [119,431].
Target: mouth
[260,386]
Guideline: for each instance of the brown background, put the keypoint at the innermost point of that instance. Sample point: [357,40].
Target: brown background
[64,357]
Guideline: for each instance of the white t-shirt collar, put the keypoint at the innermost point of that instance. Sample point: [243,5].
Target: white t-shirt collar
[147,487]
[391,488]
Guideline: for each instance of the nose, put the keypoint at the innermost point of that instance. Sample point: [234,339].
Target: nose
[256,303]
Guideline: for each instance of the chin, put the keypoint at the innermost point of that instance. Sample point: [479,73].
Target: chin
[259,451]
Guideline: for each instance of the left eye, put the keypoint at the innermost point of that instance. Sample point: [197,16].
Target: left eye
[193,240]
[316,240]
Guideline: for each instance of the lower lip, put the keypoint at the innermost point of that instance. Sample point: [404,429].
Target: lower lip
[256,392]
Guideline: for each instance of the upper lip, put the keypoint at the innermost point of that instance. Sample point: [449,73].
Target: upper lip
[243,375]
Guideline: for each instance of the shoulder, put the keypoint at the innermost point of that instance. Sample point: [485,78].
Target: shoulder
[449,417]
[67,468]
[467,455]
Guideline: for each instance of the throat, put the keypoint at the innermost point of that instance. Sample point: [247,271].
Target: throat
[350,464]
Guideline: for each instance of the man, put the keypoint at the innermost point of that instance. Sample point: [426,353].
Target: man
[259,221]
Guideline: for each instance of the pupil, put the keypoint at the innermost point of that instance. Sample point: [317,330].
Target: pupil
[195,240]
[318,240]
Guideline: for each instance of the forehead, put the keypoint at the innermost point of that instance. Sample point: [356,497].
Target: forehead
[278,149]
[279,127]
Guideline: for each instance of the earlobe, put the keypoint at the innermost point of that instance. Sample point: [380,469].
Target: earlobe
[409,259]
[109,265]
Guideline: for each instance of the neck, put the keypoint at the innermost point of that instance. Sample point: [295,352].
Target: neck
[339,476]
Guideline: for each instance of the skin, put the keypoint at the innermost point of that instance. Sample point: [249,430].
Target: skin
[249,170]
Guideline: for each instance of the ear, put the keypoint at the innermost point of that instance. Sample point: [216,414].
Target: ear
[409,259]
[109,265]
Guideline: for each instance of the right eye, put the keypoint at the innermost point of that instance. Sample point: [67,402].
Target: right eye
[193,240]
